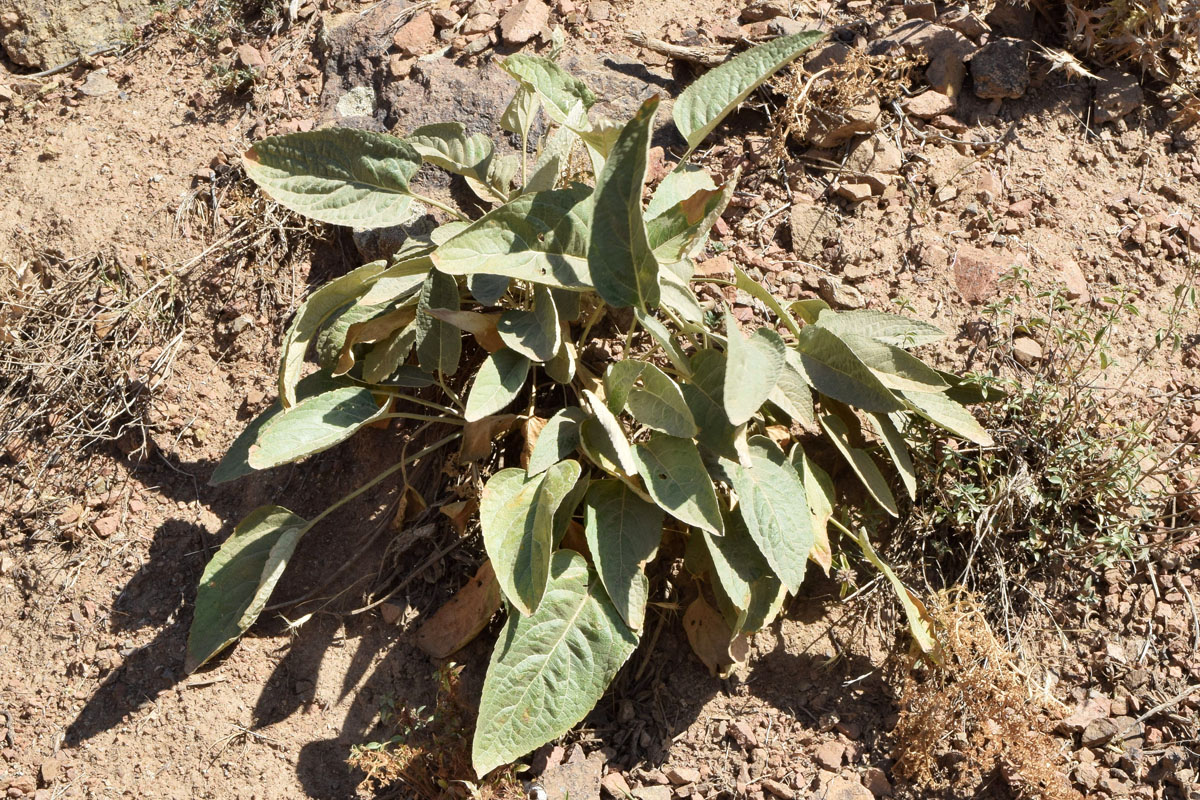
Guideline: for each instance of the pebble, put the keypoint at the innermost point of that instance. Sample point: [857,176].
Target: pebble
[976,274]
[843,789]
[1026,351]
[810,224]
[830,754]
[682,775]
[524,21]
[777,789]
[877,782]
[1000,69]
[928,104]
[1099,731]
[615,786]
[416,35]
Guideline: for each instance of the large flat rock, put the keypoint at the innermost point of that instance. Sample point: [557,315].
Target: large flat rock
[45,33]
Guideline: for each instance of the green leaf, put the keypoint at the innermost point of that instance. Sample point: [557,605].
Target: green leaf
[861,462]
[439,344]
[398,280]
[658,404]
[333,333]
[703,394]
[558,439]
[760,292]
[516,513]
[742,578]
[409,377]
[941,410]
[599,141]
[487,289]
[312,425]
[665,340]
[604,440]
[622,265]
[238,580]
[833,369]
[623,532]
[554,158]
[751,370]
[311,316]
[386,357]
[540,237]
[677,480]
[818,490]
[716,93]
[792,392]
[565,98]
[519,113]
[498,382]
[681,231]
[772,503]
[342,176]
[808,309]
[550,669]
[895,368]
[897,448]
[447,145]
[890,329]
[534,334]
[676,295]
[678,185]
[619,380]
[561,368]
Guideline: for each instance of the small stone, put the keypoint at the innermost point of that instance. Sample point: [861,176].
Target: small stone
[830,129]
[770,9]
[524,21]
[874,161]
[1093,709]
[743,733]
[98,84]
[854,192]
[652,793]
[945,50]
[445,17]
[50,770]
[829,754]
[599,11]
[777,789]
[922,10]
[810,224]
[1087,776]
[965,22]
[786,26]
[682,775]
[976,274]
[928,104]
[615,785]
[840,788]
[1020,209]
[1117,94]
[1099,731]
[415,36]
[877,782]
[480,23]
[1026,351]
[1000,69]
[249,57]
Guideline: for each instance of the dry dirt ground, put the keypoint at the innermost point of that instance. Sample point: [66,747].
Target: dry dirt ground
[121,198]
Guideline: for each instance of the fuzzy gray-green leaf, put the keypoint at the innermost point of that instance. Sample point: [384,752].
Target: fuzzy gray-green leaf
[312,425]
[535,333]
[558,439]
[659,404]
[623,532]
[833,369]
[343,176]
[499,380]
[751,370]
[438,343]
[861,462]
[677,480]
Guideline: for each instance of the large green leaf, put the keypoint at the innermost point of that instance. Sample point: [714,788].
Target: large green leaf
[742,578]
[236,461]
[312,425]
[399,280]
[703,394]
[772,503]
[238,580]
[604,440]
[623,532]
[716,93]
[919,621]
[833,369]
[565,98]
[678,185]
[659,404]
[621,262]
[487,289]
[558,439]
[895,368]
[751,370]
[534,334]
[516,513]
[890,329]
[550,669]
[941,410]
[497,383]
[311,316]
[677,480]
[342,176]
[818,490]
[386,357]
[519,113]
[541,237]
[439,344]
[861,462]
[792,392]
[447,145]
[885,425]
[554,157]
[619,380]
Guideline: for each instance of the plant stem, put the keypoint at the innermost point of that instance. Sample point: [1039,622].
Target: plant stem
[422,402]
[447,420]
[438,204]
[383,476]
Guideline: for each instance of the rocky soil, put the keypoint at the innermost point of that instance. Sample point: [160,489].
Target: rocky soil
[923,152]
